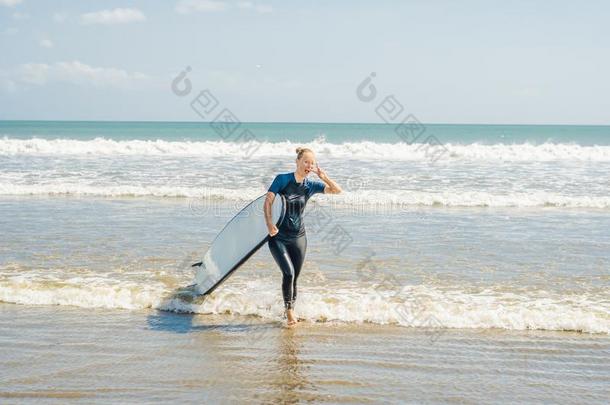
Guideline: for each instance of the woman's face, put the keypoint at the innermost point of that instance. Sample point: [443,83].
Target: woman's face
[306,163]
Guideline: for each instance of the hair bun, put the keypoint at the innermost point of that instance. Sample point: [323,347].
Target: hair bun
[300,150]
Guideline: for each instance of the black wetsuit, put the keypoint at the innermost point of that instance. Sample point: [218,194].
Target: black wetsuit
[288,246]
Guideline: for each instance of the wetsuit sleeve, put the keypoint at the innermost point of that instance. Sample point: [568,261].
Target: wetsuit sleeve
[278,184]
[316,187]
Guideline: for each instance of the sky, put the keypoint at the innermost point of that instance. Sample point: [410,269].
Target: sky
[497,62]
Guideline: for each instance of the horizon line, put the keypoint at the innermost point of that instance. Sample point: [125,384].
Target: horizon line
[293,122]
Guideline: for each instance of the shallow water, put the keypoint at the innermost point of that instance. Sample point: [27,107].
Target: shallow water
[454,268]
[101,356]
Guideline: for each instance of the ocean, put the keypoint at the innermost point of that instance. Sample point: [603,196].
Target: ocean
[462,263]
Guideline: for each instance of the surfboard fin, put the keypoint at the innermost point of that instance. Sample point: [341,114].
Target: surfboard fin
[196,264]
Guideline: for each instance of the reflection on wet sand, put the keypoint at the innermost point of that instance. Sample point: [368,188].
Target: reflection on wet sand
[290,383]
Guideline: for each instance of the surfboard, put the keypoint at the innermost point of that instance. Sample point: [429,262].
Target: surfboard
[241,237]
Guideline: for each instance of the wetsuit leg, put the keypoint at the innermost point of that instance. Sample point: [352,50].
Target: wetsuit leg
[289,256]
[297,250]
[282,258]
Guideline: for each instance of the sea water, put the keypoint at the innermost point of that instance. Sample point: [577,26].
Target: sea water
[482,245]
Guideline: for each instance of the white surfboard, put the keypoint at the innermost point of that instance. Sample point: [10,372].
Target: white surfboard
[241,237]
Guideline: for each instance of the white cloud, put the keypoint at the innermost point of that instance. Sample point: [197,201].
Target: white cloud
[77,73]
[46,43]
[20,16]
[10,31]
[263,8]
[60,17]
[114,16]
[9,3]
[259,8]
[34,73]
[189,6]
[8,85]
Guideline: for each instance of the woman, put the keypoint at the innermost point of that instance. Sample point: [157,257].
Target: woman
[288,243]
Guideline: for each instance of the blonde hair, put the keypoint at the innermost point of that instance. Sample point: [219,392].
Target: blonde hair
[300,151]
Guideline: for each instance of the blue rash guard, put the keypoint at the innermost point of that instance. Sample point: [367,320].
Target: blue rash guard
[296,195]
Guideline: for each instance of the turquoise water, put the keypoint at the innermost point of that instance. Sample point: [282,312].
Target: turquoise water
[306,132]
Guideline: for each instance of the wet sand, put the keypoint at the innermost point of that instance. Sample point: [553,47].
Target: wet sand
[99,356]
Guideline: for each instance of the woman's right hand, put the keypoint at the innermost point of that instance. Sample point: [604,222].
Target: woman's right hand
[272,230]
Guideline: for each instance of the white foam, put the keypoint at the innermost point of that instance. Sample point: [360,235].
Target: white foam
[462,198]
[415,306]
[88,293]
[76,189]
[421,306]
[363,200]
[350,150]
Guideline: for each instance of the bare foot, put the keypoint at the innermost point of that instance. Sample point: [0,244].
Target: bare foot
[292,320]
